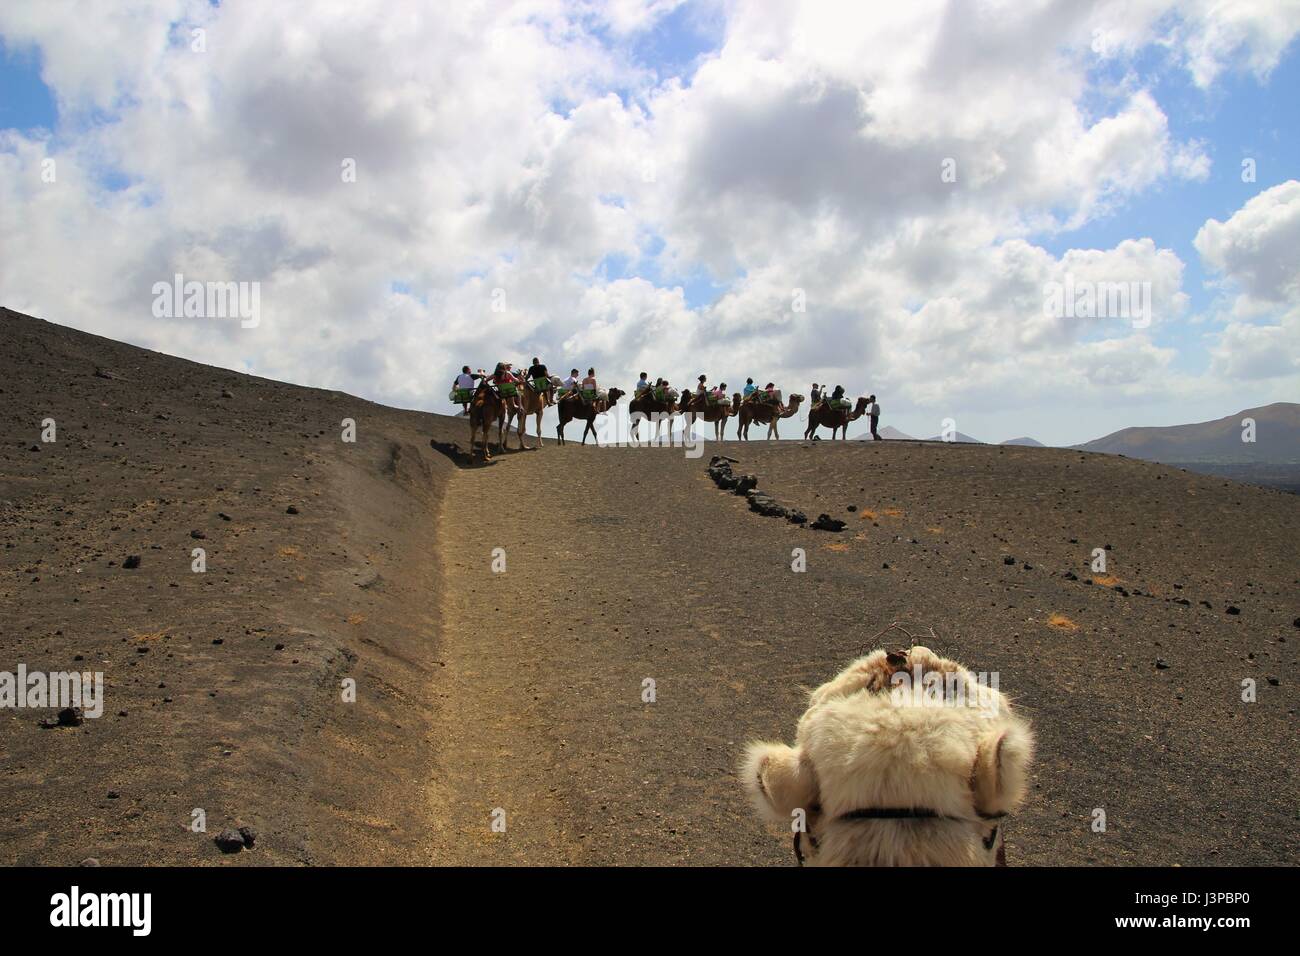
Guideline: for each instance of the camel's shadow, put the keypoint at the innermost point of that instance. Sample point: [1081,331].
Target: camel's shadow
[464,459]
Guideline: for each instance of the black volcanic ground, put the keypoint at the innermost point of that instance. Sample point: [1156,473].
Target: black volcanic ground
[522,691]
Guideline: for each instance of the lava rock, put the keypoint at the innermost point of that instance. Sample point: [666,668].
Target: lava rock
[229,841]
[825,522]
[249,835]
[132,561]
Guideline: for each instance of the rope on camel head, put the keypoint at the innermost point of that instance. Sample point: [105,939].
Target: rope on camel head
[912,638]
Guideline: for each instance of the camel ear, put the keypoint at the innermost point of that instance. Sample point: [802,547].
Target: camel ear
[1000,775]
[778,781]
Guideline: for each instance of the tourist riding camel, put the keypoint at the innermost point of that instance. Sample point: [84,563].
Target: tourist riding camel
[656,403]
[716,409]
[575,405]
[769,411]
[539,380]
[462,389]
[532,401]
[835,415]
[905,758]
[506,385]
[485,408]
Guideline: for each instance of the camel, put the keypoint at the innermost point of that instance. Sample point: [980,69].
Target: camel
[530,403]
[647,406]
[753,411]
[715,412]
[572,407]
[485,408]
[510,410]
[835,419]
[905,758]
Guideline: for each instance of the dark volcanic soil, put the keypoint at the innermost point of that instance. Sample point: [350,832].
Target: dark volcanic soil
[626,564]
[223,688]
[521,695]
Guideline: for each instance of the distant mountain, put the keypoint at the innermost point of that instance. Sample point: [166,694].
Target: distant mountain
[1026,441]
[960,436]
[1276,439]
[890,433]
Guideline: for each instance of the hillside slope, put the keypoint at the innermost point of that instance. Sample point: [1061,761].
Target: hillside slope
[1276,439]
[223,688]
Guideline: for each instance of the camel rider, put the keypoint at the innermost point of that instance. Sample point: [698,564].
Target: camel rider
[837,395]
[720,393]
[770,389]
[570,384]
[464,384]
[750,389]
[589,386]
[701,388]
[816,394]
[537,372]
[642,384]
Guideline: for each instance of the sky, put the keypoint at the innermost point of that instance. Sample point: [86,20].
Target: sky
[896,198]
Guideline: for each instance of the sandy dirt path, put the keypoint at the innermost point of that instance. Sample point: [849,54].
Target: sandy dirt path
[637,567]
[547,664]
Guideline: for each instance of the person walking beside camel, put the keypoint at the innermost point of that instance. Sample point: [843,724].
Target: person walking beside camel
[874,411]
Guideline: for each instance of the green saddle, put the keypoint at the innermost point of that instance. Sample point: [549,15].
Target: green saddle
[588,394]
[659,394]
[507,389]
[839,404]
[541,384]
[463,395]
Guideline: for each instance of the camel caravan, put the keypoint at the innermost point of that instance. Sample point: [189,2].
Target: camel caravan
[904,758]
[508,397]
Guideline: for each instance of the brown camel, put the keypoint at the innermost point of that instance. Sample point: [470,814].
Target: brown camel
[530,403]
[715,412]
[822,414]
[485,408]
[768,412]
[510,410]
[572,407]
[656,410]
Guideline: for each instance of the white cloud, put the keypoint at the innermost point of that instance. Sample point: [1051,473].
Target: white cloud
[1254,254]
[517,147]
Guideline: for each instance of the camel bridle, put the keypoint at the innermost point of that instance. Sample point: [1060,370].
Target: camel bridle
[906,813]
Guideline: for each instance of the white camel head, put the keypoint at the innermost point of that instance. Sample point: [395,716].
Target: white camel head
[905,758]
